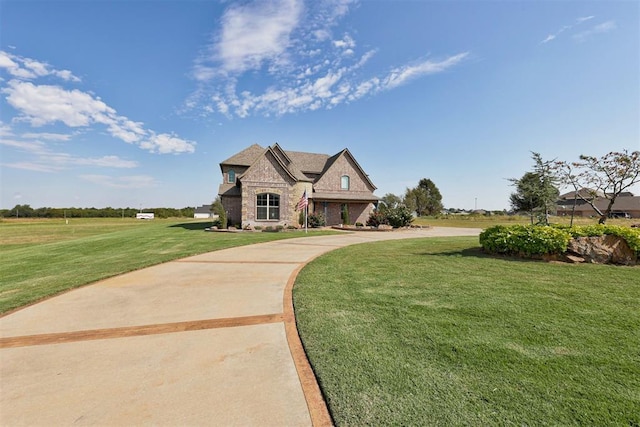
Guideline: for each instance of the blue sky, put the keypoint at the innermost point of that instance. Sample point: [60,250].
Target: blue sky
[135,103]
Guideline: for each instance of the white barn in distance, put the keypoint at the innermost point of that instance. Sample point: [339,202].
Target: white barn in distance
[204,212]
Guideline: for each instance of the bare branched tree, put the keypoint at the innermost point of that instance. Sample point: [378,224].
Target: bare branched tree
[606,177]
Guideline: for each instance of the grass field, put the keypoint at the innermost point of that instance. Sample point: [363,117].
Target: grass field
[479,221]
[39,258]
[433,332]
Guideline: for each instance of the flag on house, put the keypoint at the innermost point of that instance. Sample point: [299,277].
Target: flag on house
[304,201]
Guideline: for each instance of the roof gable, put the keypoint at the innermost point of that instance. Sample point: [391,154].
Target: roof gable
[246,157]
[269,157]
[297,165]
[346,153]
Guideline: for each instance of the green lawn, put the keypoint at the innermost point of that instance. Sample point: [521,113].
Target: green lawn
[39,258]
[481,221]
[433,332]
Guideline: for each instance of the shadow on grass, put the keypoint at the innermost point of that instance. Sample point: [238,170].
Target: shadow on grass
[477,252]
[193,226]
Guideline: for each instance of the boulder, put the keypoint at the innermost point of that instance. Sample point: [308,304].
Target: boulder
[602,250]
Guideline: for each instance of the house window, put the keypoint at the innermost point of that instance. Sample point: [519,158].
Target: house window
[344,182]
[231,176]
[268,206]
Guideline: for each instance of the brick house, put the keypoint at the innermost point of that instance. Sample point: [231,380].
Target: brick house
[262,186]
[626,205]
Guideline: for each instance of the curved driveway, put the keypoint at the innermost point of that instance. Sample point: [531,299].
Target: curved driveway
[205,340]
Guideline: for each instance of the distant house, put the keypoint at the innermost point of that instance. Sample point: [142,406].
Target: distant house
[263,186]
[626,205]
[203,211]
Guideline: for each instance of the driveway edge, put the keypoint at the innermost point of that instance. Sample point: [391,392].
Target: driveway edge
[316,404]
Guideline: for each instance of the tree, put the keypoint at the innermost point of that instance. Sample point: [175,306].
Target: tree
[425,199]
[606,178]
[218,209]
[22,211]
[390,200]
[536,191]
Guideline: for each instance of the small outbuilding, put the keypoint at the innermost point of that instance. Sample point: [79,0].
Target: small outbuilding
[203,212]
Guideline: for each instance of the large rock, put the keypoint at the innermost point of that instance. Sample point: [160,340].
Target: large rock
[603,250]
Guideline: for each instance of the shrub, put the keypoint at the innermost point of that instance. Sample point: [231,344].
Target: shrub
[315,220]
[399,216]
[218,209]
[525,240]
[539,239]
[377,218]
[345,215]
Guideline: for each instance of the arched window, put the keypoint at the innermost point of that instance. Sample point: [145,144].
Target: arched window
[268,206]
[344,182]
[231,176]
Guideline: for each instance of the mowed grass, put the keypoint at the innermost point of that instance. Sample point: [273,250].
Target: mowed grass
[433,332]
[41,258]
[481,221]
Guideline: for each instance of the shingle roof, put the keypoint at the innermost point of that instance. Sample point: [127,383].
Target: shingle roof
[625,203]
[229,190]
[246,157]
[296,163]
[203,209]
[308,162]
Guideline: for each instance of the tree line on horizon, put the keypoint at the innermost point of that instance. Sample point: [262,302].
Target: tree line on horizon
[26,211]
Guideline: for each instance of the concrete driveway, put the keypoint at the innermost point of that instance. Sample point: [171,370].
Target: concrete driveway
[205,340]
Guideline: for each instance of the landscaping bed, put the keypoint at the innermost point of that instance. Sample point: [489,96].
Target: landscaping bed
[600,244]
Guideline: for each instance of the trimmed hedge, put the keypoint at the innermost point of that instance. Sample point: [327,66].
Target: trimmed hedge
[524,240]
[532,240]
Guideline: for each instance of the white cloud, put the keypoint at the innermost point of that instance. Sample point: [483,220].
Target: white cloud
[64,161]
[47,136]
[27,68]
[5,130]
[309,68]
[605,27]
[254,33]
[125,182]
[346,43]
[46,104]
[34,167]
[602,28]
[402,75]
[29,146]
[44,159]
[165,143]
[549,38]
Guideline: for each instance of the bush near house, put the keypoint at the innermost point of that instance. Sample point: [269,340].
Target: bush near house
[399,216]
[532,240]
[315,220]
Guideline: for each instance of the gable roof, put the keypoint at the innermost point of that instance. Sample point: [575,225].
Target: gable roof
[276,152]
[347,153]
[246,157]
[297,164]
